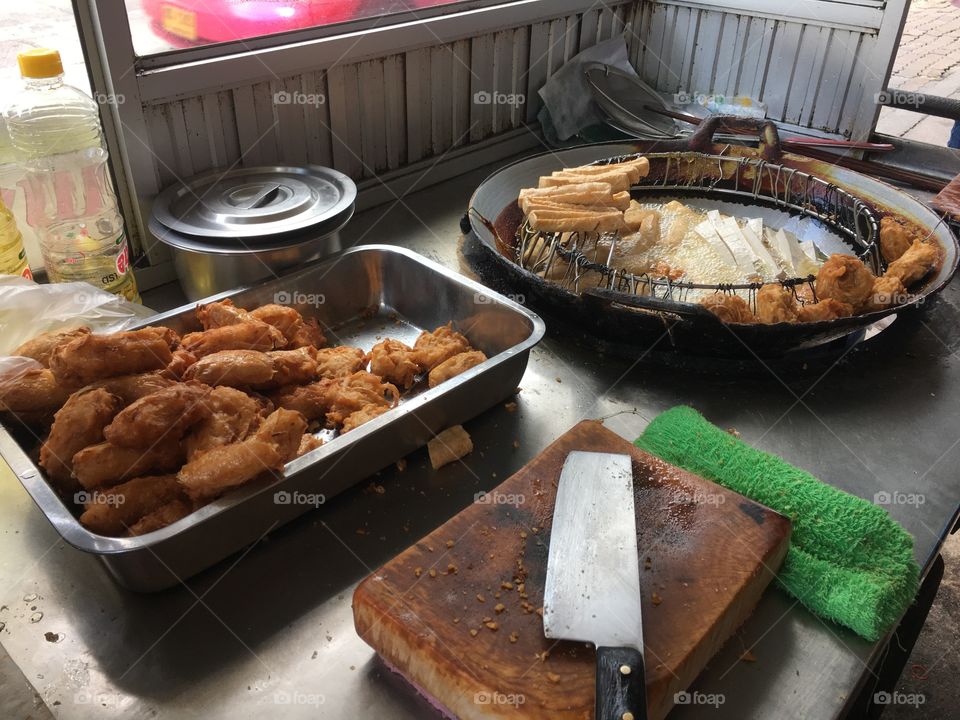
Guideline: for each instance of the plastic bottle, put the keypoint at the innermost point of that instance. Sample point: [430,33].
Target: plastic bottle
[55,130]
[13,256]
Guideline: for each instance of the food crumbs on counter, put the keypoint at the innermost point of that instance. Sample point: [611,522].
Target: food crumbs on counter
[497,594]
[473,633]
[516,444]
[553,677]
[450,543]
[514,637]
[433,572]
[542,656]
[507,585]
[456,621]
[451,568]
[452,444]
[510,406]
[522,589]
[656,599]
[540,611]
[558,379]
[401,464]
[523,535]
[314,656]
[647,564]
[748,656]
[492,626]
[481,598]
[499,608]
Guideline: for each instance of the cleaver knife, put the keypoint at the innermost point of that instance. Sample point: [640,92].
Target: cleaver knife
[593,577]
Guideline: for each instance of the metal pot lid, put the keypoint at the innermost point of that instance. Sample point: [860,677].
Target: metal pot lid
[256,204]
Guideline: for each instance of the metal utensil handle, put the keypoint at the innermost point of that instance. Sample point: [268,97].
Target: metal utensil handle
[702,138]
[621,684]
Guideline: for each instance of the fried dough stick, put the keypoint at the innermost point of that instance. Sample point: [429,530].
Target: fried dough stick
[104,464]
[340,361]
[33,396]
[394,362]
[234,368]
[94,357]
[442,344]
[296,331]
[78,424]
[231,415]
[163,415]
[42,346]
[454,366]
[112,512]
[228,466]
[130,388]
[249,335]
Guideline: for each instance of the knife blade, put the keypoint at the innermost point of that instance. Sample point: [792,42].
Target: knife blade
[593,577]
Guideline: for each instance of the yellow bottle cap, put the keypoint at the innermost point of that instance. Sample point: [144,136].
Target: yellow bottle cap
[40,63]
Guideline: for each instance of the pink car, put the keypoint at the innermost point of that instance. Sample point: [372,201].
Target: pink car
[198,22]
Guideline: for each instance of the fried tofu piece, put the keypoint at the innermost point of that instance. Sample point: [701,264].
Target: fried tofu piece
[113,511]
[895,238]
[33,396]
[42,346]
[919,259]
[432,348]
[234,368]
[776,304]
[94,357]
[826,309]
[729,308]
[228,466]
[340,361]
[162,516]
[164,415]
[887,292]
[394,362]
[231,415]
[312,401]
[845,279]
[454,366]
[361,416]
[182,359]
[130,388]
[452,444]
[247,335]
[285,429]
[356,392]
[307,443]
[78,424]
[105,464]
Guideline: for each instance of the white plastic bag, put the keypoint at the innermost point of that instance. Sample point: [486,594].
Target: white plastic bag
[28,309]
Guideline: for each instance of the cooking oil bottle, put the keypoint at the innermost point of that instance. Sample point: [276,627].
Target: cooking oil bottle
[55,130]
[13,257]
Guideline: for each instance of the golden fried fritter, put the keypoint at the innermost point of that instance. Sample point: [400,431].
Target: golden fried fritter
[916,262]
[826,309]
[361,416]
[895,238]
[235,368]
[340,361]
[130,388]
[308,334]
[312,401]
[220,314]
[231,415]
[729,308]
[115,510]
[285,319]
[356,392]
[776,304]
[94,357]
[105,464]
[182,359]
[33,396]
[228,466]
[291,367]
[887,292]
[307,443]
[394,362]
[42,346]
[165,414]
[454,366]
[162,516]
[845,279]
[78,424]
[285,429]
[442,344]
[247,335]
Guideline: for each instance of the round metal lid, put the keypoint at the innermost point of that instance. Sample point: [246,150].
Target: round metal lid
[257,203]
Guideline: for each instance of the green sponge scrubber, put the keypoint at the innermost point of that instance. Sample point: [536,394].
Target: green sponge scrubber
[848,560]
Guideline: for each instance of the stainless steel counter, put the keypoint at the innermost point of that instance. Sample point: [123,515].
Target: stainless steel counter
[269,632]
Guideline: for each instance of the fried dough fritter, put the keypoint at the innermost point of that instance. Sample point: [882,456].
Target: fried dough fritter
[776,304]
[220,314]
[78,424]
[113,511]
[339,361]
[161,517]
[42,346]
[308,334]
[130,388]
[33,396]
[895,238]
[182,359]
[312,401]
[454,366]
[361,416]
[845,279]
[356,392]
[285,429]
[231,415]
[432,348]
[919,259]
[826,309]
[228,466]
[164,415]
[248,335]
[105,464]
[291,367]
[94,357]
[285,319]
[234,368]
[729,308]
[307,443]
[887,292]
[394,362]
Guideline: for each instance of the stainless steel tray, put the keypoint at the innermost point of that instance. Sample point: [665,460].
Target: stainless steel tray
[368,292]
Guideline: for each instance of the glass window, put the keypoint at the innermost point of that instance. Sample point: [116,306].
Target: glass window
[161,25]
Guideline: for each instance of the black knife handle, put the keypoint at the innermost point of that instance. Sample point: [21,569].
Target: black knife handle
[621,685]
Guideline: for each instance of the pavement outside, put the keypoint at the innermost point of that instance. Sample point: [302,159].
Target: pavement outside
[928,62]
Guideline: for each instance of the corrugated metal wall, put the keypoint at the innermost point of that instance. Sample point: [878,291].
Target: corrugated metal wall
[808,74]
[377,115]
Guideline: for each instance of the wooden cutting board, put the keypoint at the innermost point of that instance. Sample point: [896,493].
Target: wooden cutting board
[706,555]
